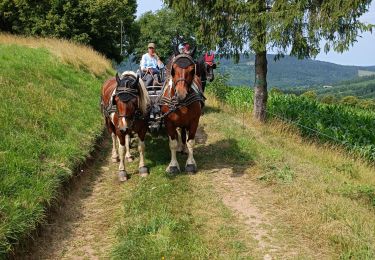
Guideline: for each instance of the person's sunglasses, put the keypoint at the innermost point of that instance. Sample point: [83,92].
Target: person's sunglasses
[151,47]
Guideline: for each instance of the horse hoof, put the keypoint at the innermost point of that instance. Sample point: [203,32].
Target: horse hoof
[122,176]
[129,159]
[143,171]
[191,169]
[173,170]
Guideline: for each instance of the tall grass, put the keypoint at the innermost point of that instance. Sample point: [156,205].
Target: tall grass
[49,120]
[351,127]
[79,56]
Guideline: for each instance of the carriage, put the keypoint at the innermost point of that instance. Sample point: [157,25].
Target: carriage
[154,91]
[130,106]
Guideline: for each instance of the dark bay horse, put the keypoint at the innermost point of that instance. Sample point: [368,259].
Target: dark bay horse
[124,104]
[205,68]
[181,104]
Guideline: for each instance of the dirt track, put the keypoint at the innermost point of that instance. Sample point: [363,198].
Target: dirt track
[84,227]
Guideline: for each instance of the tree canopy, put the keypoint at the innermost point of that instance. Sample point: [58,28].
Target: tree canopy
[163,28]
[287,27]
[93,22]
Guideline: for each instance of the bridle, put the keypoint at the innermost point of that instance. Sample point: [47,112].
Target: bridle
[132,93]
[183,79]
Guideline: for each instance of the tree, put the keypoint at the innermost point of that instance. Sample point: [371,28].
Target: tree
[287,27]
[310,95]
[163,28]
[367,104]
[328,99]
[93,22]
[349,101]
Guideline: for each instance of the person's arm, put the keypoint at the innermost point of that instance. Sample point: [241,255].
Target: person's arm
[143,63]
[159,62]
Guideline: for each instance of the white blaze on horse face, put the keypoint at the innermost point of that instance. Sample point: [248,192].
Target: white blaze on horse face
[190,146]
[181,88]
[141,150]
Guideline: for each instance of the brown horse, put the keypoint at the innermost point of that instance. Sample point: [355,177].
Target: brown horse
[124,104]
[181,105]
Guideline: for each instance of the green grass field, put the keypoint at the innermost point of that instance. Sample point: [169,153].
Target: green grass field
[316,202]
[49,120]
[338,124]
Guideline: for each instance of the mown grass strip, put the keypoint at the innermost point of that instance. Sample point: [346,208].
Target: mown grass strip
[177,217]
[50,119]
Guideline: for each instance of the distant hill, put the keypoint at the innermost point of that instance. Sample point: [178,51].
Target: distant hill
[283,73]
[291,72]
[362,87]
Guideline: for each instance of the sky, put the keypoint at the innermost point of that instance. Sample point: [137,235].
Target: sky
[361,54]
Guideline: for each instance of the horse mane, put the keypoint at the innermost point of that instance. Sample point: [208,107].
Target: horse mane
[144,99]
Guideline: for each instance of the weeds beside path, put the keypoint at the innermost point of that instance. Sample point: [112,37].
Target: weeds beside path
[260,193]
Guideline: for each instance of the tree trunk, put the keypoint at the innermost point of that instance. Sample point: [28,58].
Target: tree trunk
[260,92]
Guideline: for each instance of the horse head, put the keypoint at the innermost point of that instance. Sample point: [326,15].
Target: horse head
[126,100]
[183,72]
[209,66]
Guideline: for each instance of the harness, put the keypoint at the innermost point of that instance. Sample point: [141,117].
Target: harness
[171,101]
[125,94]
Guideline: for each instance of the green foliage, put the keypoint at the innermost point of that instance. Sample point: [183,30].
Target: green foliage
[350,127]
[349,101]
[328,99]
[367,104]
[358,192]
[310,95]
[49,119]
[285,175]
[90,22]
[275,90]
[219,87]
[162,28]
[301,74]
[289,26]
[362,87]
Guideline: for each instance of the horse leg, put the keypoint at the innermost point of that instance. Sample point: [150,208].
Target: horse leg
[114,148]
[183,141]
[122,175]
[180,148]
[114,140]
[143,170]
[181,134]
[191,165]
[128,156]
[173,166]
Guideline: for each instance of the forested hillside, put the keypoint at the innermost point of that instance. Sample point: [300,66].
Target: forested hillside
[362,87]
[290,72]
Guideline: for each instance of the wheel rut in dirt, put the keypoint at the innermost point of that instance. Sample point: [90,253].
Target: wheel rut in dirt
[83,225]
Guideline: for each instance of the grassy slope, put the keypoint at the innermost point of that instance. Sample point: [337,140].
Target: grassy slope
[49,116]
[318,198]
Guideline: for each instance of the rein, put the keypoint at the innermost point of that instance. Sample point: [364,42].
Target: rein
[172,101]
